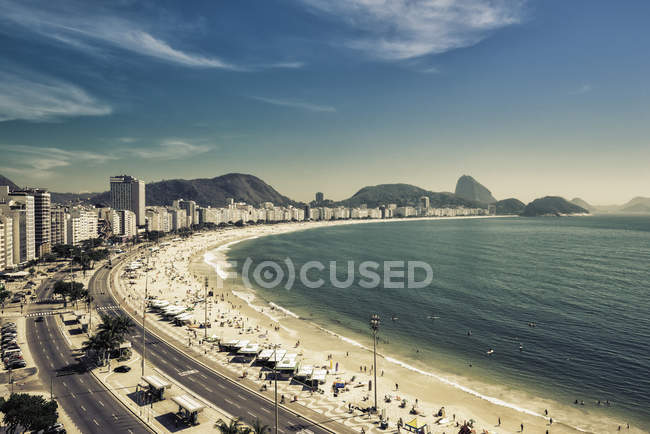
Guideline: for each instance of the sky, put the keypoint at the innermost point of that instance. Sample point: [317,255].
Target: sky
[531,98]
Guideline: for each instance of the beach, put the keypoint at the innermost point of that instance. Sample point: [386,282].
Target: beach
[178,275]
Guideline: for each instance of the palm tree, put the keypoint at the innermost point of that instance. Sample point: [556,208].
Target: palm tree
[258,428]
[234,427]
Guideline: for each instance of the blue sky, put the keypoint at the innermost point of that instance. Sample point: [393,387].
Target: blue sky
[529,97]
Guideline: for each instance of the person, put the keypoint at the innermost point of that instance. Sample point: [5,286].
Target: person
[396,386]
[545,412]
[499,422]
[522,427]
[550,421]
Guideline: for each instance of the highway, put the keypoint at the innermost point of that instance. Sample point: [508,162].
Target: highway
[223,392]
[92,408]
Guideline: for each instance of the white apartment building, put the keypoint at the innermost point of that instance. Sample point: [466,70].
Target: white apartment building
[82,225]
[128,226]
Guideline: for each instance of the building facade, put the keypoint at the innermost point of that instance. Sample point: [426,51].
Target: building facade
[128,193]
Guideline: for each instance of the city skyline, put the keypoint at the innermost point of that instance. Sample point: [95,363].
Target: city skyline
[531,98]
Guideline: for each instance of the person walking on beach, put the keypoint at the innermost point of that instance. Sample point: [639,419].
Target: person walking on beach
[522,427]
[499,421]
[396,386]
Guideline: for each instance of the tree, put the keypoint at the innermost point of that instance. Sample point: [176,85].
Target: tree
[4,294]
[74,290]
[111,333]
[234,427]
[259,428]
[31,412]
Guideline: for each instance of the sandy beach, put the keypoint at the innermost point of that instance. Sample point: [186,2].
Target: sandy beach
[178,273]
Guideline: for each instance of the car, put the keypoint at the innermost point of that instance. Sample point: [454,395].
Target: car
[16,364]
[39,318]
[122,368]
[57,428]
[9,335]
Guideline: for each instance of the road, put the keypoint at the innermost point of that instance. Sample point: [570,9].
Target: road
[204,382]
[87,402]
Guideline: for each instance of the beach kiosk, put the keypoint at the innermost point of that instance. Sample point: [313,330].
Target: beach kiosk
[188,409]
[155,387]
[417,427]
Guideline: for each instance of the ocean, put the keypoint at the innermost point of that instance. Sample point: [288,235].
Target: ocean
[563,302]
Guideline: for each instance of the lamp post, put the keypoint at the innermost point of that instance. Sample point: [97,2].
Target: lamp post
[275,380]
[374,325]
[205,302]
[144,314]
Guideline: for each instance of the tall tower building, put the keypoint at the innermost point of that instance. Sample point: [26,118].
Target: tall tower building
[58,230]
[320,197]
[21,206]
[42,225]
[128,193]
[424,202]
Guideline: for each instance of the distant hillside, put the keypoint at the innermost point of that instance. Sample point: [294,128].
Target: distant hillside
[64,198]
[583,204]
[510,206]
[552,205]
[638,204]
[403,195]
[470,189]
[208,192]
[7,181]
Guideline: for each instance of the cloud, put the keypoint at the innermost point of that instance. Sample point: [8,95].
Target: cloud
[35,97]
[79,29]
[171,149]
[40,161]
[84,31]
[585,88]
[296,104]
[405,29]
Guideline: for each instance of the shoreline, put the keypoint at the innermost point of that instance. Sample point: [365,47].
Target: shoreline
[205,256]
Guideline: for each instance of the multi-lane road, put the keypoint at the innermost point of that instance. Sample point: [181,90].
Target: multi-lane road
[219,390]
[87,402]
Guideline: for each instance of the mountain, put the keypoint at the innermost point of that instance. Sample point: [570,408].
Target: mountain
[208,192]
[583,204]
[510,206]
[638,204]
[552,205]
[7,181]
[402,195]
[470,189]
[64,198]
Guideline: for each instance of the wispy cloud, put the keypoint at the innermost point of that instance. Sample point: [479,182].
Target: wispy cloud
[85,31]
[36,97]
[171,149]
[585,88]
[295,104]
[93,30]
[404,29]
[41,161]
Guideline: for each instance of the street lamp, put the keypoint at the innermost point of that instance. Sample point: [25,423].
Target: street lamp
[144,315]
[374,325]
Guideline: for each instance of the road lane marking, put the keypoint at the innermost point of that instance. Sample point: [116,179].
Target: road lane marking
[96,423]
[208,389]
[101,403]
[83,408]
[266,410]
[231,403]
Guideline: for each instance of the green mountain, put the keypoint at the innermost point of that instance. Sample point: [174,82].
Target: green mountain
[583,204]
[403,195]
[470,189]
[637,205]
[510,206]
[208,192]
[552,205]
[7,181]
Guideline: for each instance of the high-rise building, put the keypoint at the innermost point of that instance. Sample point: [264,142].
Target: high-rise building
[20,205]
[58,230]
[129,193]
[42,225]
[190,210]
[320,197]
[128,223]
[424,202]
[82,225]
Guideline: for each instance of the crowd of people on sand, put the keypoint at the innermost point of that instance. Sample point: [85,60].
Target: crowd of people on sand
[170,270]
